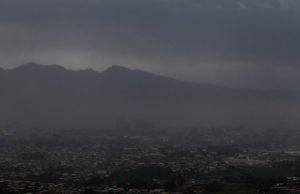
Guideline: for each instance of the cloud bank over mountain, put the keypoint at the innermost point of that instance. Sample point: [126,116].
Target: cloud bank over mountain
[239,43]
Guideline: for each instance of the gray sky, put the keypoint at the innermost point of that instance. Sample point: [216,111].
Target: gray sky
[239,43]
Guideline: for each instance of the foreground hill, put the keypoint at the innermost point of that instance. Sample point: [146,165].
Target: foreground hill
[34,95]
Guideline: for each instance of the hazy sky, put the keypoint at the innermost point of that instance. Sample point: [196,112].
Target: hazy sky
[240,43]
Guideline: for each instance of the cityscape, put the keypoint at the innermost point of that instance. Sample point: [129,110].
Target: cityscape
[149,97]
[164,162]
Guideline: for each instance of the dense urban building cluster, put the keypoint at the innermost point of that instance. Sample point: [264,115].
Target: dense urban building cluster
[130,163]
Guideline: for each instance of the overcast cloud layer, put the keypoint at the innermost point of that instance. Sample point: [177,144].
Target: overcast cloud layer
[239,43]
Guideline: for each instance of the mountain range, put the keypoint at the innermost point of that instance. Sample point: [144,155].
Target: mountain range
[34,95]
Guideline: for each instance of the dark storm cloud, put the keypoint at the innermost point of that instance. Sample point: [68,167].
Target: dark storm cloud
[248,43]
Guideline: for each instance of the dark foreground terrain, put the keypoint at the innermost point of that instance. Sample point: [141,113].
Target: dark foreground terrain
[217,160]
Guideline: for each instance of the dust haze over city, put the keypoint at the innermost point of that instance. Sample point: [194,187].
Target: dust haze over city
[149,96]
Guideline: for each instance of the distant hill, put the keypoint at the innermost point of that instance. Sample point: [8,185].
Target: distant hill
[34,95]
